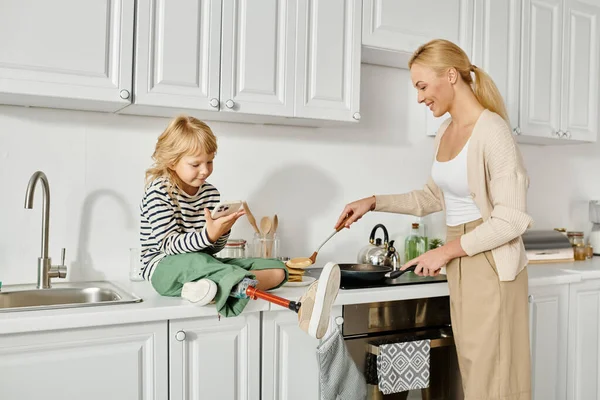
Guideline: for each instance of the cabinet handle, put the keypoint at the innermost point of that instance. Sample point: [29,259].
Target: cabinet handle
[124,94]
[180,336]
[568,133]
[530,298]
[557,133]
[517,131]
[214,103]
[229,103]
[356,116]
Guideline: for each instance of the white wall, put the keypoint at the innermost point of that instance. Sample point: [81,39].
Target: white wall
[95,164]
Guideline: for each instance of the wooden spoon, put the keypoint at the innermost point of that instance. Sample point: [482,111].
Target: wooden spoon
[303,262]
[250,217]
[265,225]
[275,223]
[265,228]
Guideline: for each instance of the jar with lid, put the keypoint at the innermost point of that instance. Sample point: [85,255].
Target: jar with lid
[234,248]
[576,238]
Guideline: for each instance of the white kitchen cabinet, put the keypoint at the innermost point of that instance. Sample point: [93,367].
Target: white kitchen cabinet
[583,364]
[541,68]
[289,361]
[497,48]
[257,65]
[122,362]
[66,53]
[549,311]
[393,29]
[274,61]
[215,359]
[581,70]
[559,71]
[328,59]
[178,45]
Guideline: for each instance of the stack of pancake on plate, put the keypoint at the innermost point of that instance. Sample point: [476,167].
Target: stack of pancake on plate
[296,269]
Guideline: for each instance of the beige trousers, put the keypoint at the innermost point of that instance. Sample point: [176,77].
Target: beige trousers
[490,322]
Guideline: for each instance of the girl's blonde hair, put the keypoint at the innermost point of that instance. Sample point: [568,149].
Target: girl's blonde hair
[441,55]
[184,136]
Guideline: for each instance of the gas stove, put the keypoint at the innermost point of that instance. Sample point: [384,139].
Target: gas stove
[408,278]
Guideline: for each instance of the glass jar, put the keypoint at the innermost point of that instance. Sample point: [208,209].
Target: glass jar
[265,246]
[589,252]
[234,248]
[579,252]
[135,265]
[575,238]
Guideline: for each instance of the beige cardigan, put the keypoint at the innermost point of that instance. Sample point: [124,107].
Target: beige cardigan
[498,183]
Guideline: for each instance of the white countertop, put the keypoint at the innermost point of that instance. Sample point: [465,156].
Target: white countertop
[156,308]
[153,308]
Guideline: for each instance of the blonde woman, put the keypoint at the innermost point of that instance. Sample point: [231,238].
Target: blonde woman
[478,179]
[179,238]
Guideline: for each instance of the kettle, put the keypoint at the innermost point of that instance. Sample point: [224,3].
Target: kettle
[388,257]
[378,253]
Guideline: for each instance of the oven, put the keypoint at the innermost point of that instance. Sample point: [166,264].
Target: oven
[368,325]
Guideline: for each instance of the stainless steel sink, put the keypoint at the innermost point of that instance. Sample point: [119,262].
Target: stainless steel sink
[63,295]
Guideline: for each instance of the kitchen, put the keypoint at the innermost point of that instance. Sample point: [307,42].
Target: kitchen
[95,162]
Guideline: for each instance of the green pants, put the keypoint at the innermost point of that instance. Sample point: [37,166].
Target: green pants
[173,271]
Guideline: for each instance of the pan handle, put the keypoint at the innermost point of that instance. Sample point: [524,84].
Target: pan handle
[395,274]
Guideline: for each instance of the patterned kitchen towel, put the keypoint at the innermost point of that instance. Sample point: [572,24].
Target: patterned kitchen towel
[403,366]
[339,377]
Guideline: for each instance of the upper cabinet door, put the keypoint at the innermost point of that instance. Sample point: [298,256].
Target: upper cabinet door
[497,46]
[328,60]
[66,53]
[178,45]
[541,68]
[257,65]
[394,29]
[579,118]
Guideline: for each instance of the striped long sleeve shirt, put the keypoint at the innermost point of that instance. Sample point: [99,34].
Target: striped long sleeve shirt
[174,227]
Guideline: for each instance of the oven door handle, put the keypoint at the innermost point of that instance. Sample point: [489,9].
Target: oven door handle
[443,341]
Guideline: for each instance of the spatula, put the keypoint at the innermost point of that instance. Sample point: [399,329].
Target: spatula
[303,262]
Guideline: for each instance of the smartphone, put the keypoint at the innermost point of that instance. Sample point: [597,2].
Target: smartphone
[226,208]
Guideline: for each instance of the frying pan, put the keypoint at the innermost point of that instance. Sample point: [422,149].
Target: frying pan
[370,273]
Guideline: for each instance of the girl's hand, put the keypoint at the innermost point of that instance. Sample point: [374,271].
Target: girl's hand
[429,263]
[215,228]
[355,211]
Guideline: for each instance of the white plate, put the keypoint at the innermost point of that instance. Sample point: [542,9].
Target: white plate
[306,280]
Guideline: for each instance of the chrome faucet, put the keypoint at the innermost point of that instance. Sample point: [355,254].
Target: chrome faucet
[45,269]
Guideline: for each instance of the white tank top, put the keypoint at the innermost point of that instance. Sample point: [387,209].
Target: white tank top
[451,178]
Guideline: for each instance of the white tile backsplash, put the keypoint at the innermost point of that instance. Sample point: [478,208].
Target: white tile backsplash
[95,163]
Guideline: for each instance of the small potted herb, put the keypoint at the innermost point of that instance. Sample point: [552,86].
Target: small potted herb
[435,243]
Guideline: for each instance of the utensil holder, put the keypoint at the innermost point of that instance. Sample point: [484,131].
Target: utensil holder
[265,246]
